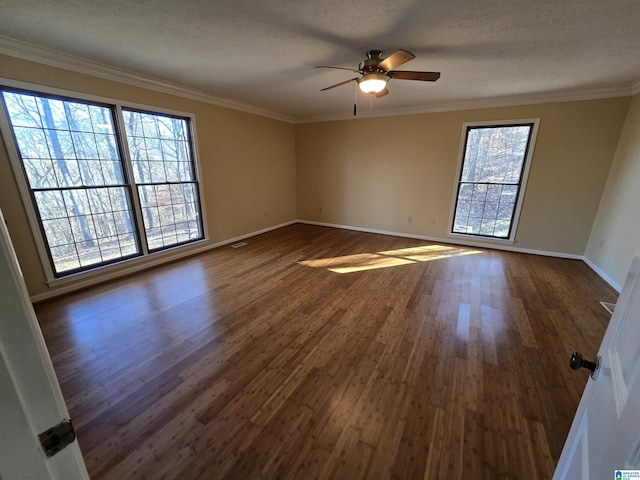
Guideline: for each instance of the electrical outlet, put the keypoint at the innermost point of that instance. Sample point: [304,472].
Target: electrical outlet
[410,219]
[320,209]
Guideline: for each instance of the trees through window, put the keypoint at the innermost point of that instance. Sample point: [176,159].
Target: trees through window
[79,179]
[491,179]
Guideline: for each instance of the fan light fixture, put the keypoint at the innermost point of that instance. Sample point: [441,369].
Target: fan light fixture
[373,82]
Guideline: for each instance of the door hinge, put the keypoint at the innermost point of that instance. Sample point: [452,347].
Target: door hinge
[56,438]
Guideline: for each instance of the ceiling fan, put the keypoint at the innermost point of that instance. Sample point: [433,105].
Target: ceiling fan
[375,72]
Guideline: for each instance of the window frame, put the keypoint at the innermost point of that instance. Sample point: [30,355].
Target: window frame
[145,256]
[522,185]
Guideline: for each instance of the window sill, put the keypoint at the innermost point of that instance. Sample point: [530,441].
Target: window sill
[131,265]
[480,238]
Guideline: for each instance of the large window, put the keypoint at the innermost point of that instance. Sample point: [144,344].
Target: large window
[97,202]
[491,179]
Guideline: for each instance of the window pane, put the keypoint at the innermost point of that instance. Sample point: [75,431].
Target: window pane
[85,145]
[169,214]
[185,171]
[141,171]
[157,172]
[40,172]
[23,111]
[495,154]
[50,204]
[101,119]
[32,142]
[106,146]
[171,171]
[65,258]
[78,116]
[137,148]
[55,110]
[112,173]
[68,173]
[163,166]
[61,144]
[490,179]
[170,149]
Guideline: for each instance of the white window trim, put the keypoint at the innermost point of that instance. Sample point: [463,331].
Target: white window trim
[146,258]
[523,186]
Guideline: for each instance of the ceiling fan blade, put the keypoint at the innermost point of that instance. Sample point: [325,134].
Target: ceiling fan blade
[338,68]
[382,93]
[407,75]
[396,59]
[338,84]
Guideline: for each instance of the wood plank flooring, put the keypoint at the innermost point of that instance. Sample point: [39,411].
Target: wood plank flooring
[315,352]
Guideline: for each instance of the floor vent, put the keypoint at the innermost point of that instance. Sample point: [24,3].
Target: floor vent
[608,306]
[238,245]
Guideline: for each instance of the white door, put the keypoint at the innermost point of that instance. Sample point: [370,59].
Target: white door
[30,397]
[605,435]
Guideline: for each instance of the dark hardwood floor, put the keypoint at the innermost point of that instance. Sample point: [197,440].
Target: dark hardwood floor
[314,352]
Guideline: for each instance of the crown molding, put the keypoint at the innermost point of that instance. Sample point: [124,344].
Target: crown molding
[54,58]
[491,102]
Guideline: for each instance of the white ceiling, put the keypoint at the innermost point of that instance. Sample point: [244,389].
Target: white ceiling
[263,53]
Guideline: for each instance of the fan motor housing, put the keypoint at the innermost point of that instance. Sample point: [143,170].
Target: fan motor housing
[370,64]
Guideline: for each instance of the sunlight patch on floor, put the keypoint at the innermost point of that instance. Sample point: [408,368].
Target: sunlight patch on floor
[389,258]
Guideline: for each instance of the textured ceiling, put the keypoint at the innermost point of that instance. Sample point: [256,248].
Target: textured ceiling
[263,53]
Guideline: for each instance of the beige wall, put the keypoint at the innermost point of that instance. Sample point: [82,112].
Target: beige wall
[376,173]
[616,231]
[247,162]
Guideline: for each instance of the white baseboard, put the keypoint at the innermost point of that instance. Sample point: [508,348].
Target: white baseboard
[450,240]
[104,275]
[612,283]
[455,241]
[252,234]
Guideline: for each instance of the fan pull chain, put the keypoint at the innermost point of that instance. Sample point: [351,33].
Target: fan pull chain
[355,99]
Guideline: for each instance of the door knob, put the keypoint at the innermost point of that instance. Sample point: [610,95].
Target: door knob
[577,362]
